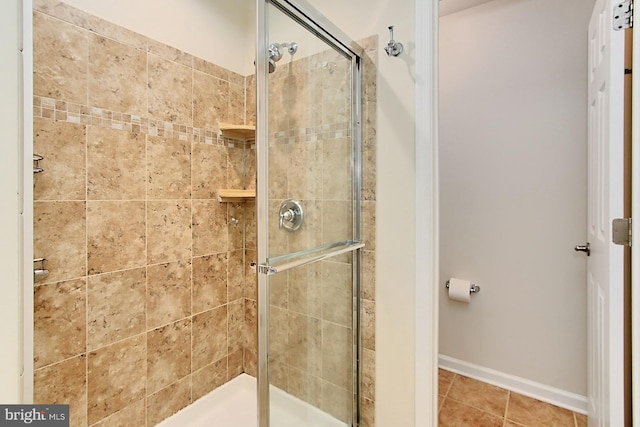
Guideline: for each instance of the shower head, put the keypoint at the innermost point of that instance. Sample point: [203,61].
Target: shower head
[275,53]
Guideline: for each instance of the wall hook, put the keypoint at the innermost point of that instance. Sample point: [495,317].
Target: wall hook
[393,48]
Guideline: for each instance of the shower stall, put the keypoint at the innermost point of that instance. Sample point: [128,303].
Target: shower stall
[197,230]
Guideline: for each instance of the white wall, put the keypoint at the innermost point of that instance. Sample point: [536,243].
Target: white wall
[513,187]
[452,6]
[220,31]
[10,227]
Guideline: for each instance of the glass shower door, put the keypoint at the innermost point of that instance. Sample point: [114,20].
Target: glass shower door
[308,153]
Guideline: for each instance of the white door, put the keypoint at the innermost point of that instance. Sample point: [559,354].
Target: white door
[605,202]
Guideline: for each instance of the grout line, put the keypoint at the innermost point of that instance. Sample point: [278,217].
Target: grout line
[146,267]
[446,394]
[506,408]
[191,256]
[86,255]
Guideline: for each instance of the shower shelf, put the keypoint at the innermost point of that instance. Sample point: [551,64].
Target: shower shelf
[237,131]
[232,195]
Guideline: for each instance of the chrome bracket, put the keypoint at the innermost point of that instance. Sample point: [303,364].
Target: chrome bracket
[266,269]
[36,163]
[39,272]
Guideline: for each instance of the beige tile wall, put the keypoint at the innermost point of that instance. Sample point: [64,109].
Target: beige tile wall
[368,270]
[146,307]
[143,311]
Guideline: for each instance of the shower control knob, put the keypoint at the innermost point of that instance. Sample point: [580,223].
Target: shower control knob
[288,215]
[291,215]
[583,248]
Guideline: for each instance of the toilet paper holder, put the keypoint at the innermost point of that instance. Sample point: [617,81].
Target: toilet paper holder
[472,289]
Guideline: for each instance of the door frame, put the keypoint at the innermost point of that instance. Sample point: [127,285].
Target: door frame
[14,213]
[426,215]
[27,283]
[635,213]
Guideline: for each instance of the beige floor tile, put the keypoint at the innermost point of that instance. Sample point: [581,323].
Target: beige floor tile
[445,378]
[532,412]
[581,420]
[483,396]
[464,402]
[456,414]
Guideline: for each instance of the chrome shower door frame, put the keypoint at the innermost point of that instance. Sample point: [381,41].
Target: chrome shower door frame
[306,15]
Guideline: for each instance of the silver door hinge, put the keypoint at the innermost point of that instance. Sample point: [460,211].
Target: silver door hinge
[621,231]
[623,15]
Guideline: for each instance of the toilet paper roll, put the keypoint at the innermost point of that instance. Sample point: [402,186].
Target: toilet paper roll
[459,290]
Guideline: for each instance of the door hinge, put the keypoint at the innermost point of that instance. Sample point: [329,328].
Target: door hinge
[621,231]
[623,15]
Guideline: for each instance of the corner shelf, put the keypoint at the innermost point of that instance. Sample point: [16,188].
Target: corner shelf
[245,132]
[227,195]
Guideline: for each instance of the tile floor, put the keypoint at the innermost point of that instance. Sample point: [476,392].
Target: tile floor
[465,402]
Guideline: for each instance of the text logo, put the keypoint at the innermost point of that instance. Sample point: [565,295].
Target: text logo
[34,415]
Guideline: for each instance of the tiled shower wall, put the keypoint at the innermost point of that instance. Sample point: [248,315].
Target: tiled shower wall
[143,310]
[146,308]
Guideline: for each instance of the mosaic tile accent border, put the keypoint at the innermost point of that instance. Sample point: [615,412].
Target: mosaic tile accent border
[311,134]
[60,110]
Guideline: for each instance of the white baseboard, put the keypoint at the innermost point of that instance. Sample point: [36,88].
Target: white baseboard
[555,396]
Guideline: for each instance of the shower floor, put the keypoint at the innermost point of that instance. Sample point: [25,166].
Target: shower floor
[234,404]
